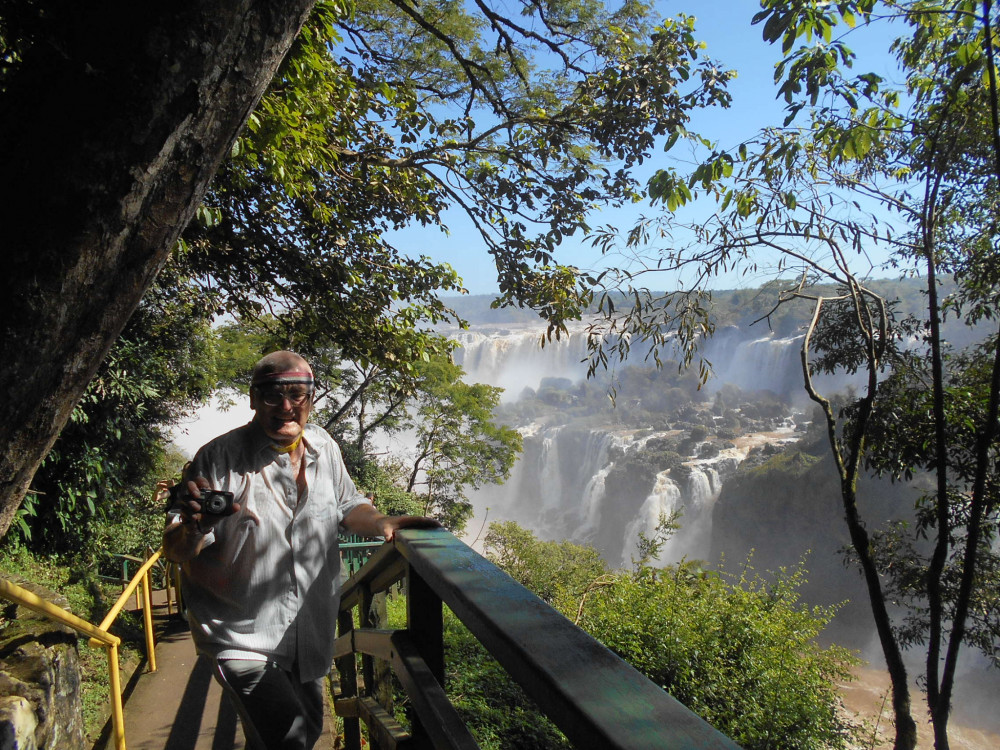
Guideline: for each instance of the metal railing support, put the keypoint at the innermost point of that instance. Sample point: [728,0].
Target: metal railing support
[115,689]
[99,635]
[141,577]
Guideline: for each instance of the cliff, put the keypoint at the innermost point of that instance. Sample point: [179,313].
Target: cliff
[787,508]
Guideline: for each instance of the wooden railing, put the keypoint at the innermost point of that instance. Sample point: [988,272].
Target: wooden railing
[596,699]
[355,551]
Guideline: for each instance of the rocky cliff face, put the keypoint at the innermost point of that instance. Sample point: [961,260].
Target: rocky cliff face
[39,680]
[787,509]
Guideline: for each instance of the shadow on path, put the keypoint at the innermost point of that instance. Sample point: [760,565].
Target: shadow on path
[179,706]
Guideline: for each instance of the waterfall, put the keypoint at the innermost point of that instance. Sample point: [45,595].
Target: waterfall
[551,471]
[593,496]
[695,500]
[663,500]
[558,488]
[515,359]
[595,456]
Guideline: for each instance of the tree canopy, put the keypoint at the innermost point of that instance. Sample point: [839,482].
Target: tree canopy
[380,115]
[386,117]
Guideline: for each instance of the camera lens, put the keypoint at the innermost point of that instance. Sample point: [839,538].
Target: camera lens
[215,503]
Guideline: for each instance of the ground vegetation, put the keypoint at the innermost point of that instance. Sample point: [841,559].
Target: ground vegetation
[738,651]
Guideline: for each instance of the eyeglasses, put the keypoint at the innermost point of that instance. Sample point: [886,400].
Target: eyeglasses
[275,396]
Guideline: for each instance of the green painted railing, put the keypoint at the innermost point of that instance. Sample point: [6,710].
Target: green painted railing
[596,699]
[355,551]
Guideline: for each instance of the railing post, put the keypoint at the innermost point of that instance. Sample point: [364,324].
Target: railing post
[376,672]
[115,691]
[177,588]
[147,621]
[347,666]
[425,621]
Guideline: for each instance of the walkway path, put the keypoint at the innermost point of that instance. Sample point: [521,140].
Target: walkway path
[180,706]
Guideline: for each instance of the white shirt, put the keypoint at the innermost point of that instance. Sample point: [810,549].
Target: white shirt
[266,585]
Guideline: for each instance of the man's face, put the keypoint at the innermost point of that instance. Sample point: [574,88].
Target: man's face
[281,409]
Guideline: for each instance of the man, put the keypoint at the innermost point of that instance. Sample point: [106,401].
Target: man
[262,585]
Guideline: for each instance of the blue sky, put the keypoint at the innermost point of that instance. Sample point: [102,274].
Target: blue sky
[725,26]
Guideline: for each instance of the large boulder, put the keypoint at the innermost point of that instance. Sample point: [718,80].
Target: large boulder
[40,704]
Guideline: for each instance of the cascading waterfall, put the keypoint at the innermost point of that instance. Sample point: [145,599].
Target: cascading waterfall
[557,489]
[558,486]
[515,359]
[662,501]
[593,496]
[694,500]
[550,472]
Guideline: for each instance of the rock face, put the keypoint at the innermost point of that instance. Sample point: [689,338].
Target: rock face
[39,680]
[786,510]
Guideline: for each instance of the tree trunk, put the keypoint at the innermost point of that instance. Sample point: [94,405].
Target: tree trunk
[112,123]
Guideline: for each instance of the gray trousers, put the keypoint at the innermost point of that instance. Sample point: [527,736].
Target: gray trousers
[278,711]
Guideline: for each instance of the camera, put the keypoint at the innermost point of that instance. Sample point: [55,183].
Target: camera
[216,502]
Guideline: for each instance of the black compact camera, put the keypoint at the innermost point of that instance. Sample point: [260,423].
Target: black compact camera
[216,502]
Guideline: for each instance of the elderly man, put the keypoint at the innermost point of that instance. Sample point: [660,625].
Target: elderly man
[262,583]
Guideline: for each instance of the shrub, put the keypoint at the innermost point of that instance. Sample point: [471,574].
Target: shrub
[737,651]
[498,713]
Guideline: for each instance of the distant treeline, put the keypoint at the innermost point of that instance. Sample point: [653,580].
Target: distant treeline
[740,307]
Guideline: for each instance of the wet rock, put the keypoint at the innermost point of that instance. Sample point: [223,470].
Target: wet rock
[40,704]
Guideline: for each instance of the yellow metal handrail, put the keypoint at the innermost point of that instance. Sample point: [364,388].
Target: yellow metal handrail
[99,635]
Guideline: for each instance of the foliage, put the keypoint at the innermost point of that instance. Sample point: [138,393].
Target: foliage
[649,546]
[558,572]
[738,652]
[386,118]
[90,599]
[497,712]
[350,142]
[458,445]
[860,165]
[381,479]
[900,448]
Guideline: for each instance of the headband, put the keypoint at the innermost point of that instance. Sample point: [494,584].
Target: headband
[282,378]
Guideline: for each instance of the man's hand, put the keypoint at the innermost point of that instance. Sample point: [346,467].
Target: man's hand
[391,523]
[190,508]
[184,539]
[364,520]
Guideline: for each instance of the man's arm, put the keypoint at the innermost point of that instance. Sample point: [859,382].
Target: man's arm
[182,541]
[364,520]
